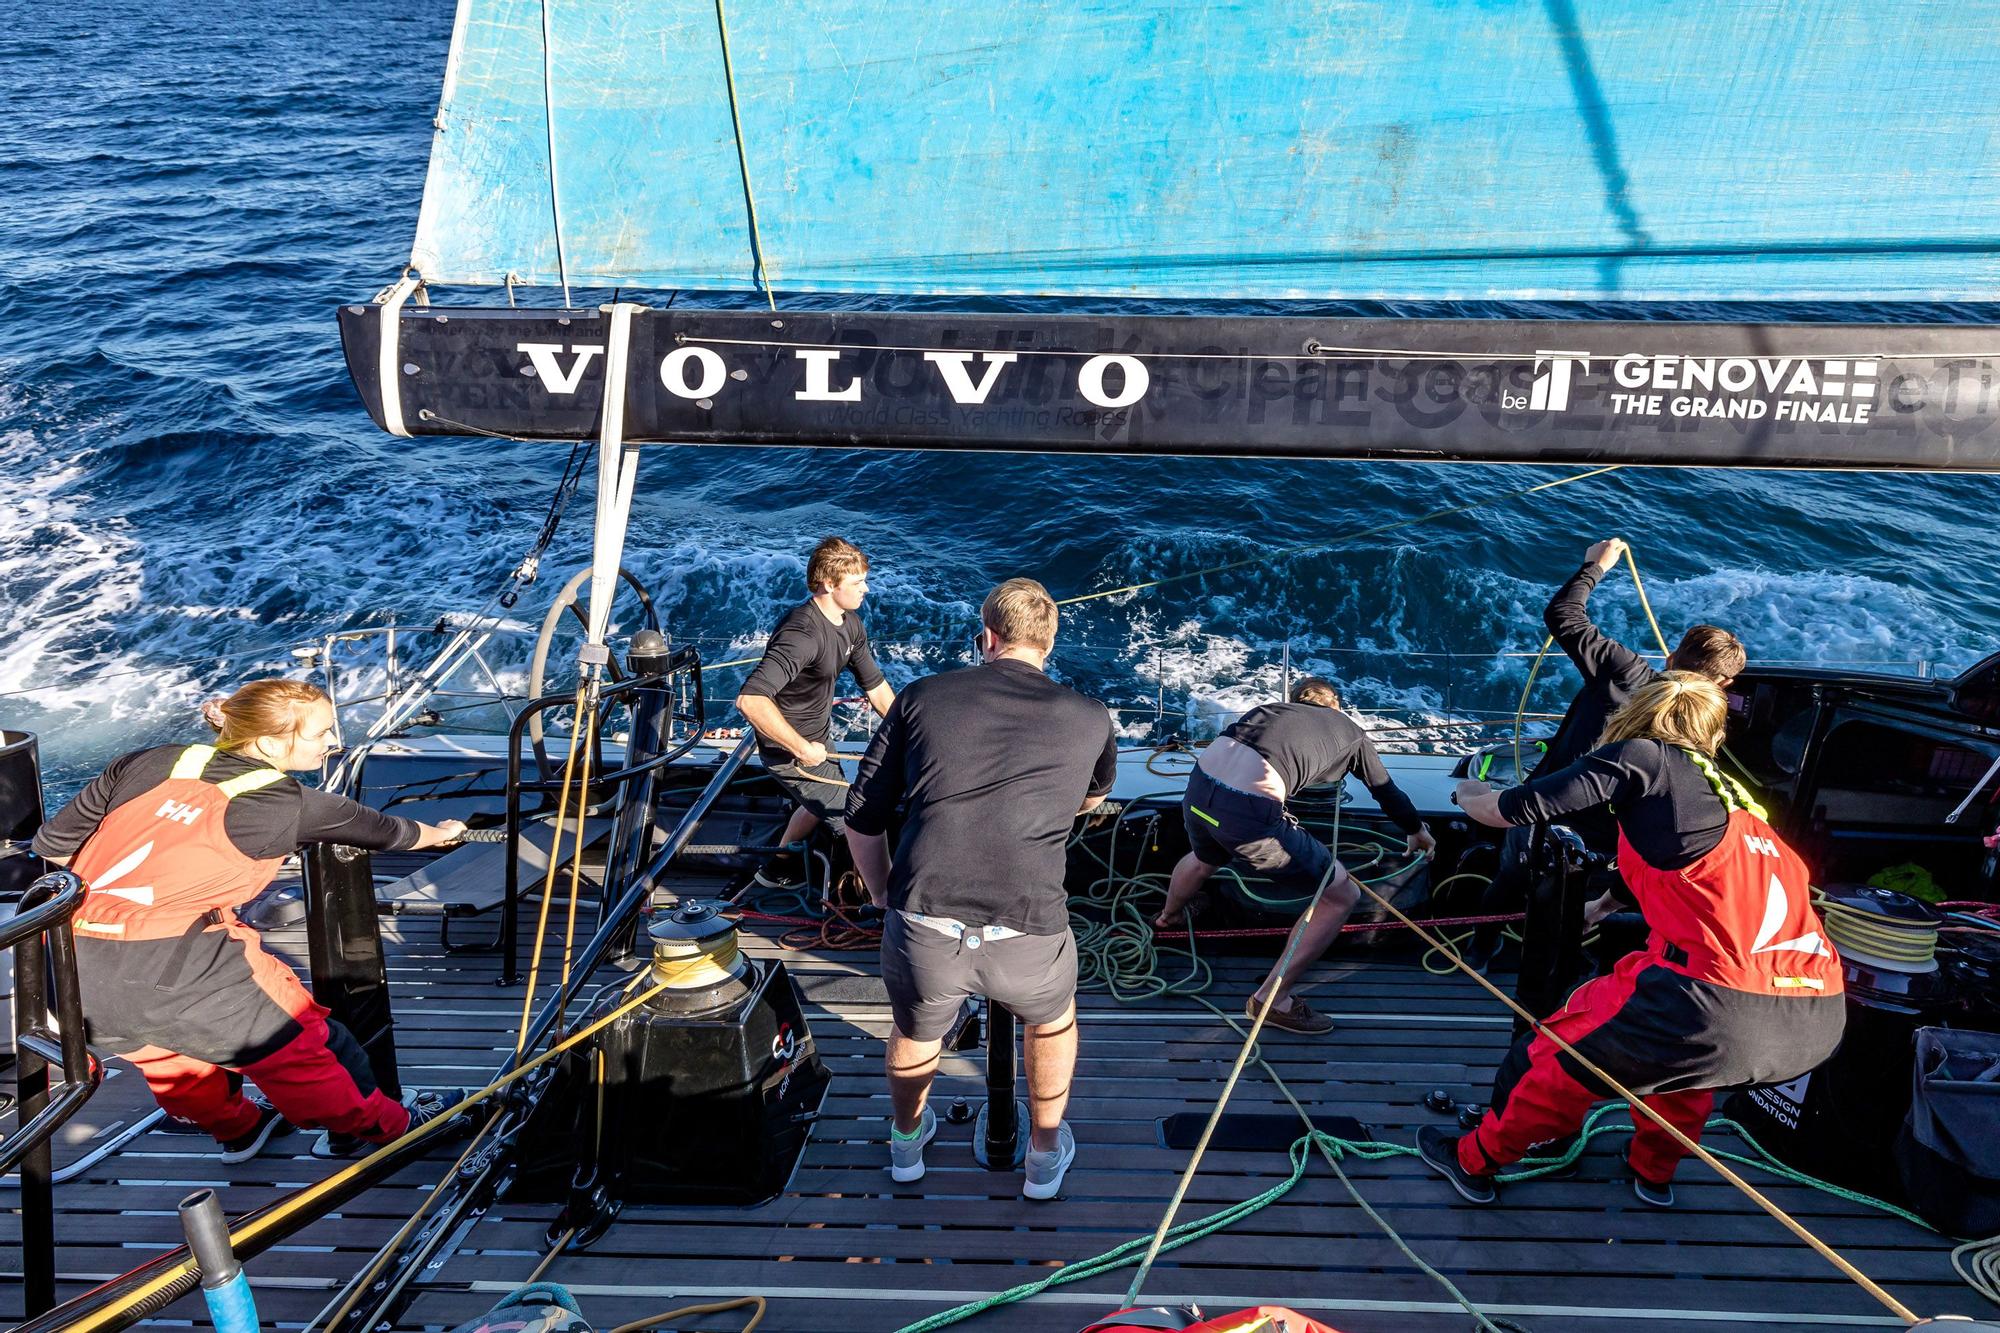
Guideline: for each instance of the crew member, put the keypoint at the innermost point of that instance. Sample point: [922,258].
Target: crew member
[170,841]
[788,699]
[996,762]
[1611,672]
[1234,809]
[1737,984]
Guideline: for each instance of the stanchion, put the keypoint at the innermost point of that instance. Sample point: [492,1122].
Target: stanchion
[223,1284]
[997,1141]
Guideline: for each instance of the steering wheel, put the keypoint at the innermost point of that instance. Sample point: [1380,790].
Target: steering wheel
[566,600]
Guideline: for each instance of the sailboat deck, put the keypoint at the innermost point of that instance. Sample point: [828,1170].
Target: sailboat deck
[845,1248]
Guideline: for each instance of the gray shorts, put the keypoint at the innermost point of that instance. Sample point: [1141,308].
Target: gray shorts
[824,799]
[929,975]
[1225,825]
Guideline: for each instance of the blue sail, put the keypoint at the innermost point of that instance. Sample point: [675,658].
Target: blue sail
[1263,149]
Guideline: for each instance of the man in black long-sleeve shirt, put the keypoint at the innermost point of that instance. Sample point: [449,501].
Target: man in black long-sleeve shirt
[1611,672]
[996,762]
[1234,809]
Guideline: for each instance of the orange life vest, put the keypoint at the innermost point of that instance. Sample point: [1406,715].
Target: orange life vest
[163,860]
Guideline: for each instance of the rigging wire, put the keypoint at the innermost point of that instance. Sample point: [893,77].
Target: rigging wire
[743,158]
[1316,351]
[1284,553]
[549,122]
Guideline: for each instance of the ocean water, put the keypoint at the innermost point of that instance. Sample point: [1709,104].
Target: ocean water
[191,486]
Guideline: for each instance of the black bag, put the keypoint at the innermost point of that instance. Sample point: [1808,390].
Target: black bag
[1948,1151]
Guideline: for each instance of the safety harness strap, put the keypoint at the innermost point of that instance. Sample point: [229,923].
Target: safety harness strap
[194,761]
[1735,796]
[244,783]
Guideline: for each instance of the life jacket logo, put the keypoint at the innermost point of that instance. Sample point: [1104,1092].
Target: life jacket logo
[1776,906]
[180,814]
[1760,846]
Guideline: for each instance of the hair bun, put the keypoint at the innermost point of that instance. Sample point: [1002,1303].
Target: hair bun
[211,713]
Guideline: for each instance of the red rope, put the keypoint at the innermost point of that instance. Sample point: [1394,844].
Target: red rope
[840,926]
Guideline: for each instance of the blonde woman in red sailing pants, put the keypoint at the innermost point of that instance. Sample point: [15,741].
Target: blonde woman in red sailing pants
[1736,986]
[170,841]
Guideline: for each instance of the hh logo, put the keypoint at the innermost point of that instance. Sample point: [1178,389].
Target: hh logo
[1550,391]
[174,810]
[1760,846]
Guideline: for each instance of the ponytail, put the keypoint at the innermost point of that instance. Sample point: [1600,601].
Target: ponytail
[261,708]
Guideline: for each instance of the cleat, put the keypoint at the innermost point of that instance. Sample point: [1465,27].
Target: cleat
[251,1142]
[906,1155]
[1440,1152]
[1297,1017]
[1045,1170]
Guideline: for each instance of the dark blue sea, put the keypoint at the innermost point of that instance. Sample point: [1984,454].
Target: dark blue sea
[191,485]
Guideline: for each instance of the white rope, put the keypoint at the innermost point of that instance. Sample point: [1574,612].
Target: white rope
[1978,1263]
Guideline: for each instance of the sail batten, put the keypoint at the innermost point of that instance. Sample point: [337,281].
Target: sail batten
[1259,150]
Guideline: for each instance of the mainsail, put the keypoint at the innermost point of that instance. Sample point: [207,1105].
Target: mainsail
[1258,150]
[1264,153]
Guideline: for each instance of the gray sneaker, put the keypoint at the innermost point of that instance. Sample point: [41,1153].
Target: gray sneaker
[1045,1170]
[906,1155]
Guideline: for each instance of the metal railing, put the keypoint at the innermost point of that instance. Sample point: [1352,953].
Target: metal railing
[44,957]
[685,661]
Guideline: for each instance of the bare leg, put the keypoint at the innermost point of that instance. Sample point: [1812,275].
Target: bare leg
[1049,1059]
[1310,939]
[912,1066]
[1189,875]
[802,822]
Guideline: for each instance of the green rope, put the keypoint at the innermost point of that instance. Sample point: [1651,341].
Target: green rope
[1334,1149]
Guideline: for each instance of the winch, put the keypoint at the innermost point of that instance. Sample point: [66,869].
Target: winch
[703,1094]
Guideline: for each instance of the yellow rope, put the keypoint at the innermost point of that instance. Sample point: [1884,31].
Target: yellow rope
[575,861]
[286,1208]
[549,1258]
[1639,1107]
[577,724]
[690,1311]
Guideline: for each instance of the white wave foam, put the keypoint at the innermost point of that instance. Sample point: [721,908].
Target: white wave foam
[70,577]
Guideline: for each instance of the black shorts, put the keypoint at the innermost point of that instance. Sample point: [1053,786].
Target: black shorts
[1225,825]
[929,975]
[825,799]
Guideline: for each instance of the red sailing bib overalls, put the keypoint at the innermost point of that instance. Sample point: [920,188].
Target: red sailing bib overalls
[1737,986]
[174,983]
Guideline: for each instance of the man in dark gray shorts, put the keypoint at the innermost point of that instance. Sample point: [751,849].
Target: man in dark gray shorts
[995,762]
[1234,809]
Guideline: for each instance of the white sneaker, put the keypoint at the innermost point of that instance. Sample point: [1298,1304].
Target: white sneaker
[1045,1170]
[906,1155]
